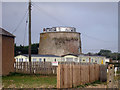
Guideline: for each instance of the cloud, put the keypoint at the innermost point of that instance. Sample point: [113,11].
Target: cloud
[95,19]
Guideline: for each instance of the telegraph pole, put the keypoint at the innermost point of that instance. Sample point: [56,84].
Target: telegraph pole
[30,34]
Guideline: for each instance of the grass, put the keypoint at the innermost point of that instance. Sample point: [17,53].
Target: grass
[28,81]
[118,76]
[118,72]
[18,80]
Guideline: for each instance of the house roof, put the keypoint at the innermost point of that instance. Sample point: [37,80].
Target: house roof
[37,55]
[93,55]
[69,54]
[5,33]
[77,55]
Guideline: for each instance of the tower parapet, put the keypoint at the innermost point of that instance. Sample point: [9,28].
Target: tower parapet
[60,29]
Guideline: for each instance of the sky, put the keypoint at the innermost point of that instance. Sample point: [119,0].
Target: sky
[96,21]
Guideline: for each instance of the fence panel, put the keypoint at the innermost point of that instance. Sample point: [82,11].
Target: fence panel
[82,74]
[91,73]
[77,74]
[86,69]
[103,72]
[96,72]
[36,68]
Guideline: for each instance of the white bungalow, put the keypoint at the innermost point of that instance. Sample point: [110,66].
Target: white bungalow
[37,57]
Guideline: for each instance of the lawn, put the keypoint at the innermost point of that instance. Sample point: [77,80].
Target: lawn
[29,81]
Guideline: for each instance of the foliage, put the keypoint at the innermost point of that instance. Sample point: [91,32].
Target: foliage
[107,54]
[24,49]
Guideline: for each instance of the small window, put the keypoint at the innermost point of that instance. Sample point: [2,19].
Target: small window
[87,60]
[80,59]
[19,59]
[76,59]
[44,60]
[22,59]
[63,59]
[34,59]
[92,60]
[40,59]
[55,60]
[69,59]
[26,59]
[16,59]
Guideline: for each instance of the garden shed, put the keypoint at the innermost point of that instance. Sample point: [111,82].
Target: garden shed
[6,52]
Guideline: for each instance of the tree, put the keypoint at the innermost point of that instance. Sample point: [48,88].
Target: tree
[109,54]
[24,49]
[106,53]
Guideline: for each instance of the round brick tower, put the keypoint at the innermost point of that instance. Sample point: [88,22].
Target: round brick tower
[60,41]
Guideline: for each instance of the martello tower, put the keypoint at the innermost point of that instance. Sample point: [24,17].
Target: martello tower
[59,41]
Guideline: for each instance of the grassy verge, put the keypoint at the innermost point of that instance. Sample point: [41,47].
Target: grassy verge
[17,80]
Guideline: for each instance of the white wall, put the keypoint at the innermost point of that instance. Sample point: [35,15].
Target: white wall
[21,58]
[107,60]
[84,59]
[94,59]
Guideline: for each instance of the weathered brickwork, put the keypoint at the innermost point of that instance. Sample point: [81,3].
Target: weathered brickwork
[60,43]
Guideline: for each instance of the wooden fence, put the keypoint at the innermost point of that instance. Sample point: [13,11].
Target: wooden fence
[69,75]
[39,67]
[36,67]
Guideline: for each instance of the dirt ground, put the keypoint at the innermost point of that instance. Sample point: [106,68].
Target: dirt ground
[103,85]
[97,86]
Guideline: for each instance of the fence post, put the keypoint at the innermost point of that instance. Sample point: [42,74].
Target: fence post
[76,75]
[110,77]
[91,73]
[15,66]
[71,75]
[58,77]
[103,73]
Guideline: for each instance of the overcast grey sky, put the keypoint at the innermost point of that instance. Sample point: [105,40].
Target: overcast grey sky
[96,21]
